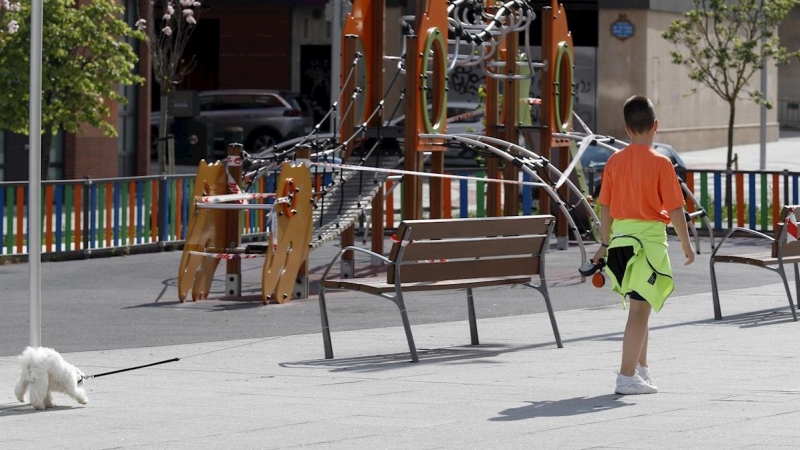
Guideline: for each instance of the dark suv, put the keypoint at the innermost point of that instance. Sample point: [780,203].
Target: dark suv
[266,116]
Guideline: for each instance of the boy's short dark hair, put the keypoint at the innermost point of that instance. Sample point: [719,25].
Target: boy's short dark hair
[640,115]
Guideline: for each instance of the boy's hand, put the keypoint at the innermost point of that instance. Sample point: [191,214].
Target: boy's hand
[688,250]
[599,254]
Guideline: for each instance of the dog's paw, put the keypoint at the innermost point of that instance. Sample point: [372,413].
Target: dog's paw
[38,406]
[83,400]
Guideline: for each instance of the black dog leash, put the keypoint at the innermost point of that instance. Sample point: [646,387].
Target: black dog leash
[86,377]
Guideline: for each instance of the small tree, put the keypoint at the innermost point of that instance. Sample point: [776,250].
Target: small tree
[720,43]
[166,42]
[8,23]
[84,63]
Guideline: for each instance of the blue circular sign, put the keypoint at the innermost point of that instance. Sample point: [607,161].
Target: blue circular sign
[622,28]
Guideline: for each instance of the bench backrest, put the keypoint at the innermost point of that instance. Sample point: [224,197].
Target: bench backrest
[787,248]
[457,249]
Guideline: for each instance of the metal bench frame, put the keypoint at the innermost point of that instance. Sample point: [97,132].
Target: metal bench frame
[782,253]
[392,287]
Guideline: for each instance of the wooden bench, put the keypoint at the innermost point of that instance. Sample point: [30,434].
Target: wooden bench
[453,254]
[781,254]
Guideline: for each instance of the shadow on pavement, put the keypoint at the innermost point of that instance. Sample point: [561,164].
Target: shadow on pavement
[561,408]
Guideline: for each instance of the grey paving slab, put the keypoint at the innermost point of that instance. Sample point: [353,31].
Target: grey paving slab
[724,384]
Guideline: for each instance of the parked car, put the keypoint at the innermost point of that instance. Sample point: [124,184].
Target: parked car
[595,157]
[267,117]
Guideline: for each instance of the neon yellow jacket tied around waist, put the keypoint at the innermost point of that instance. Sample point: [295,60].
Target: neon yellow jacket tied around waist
[648,272]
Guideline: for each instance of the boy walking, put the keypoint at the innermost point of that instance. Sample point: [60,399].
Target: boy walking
[640,195]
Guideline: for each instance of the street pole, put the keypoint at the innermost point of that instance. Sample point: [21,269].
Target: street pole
[762,162]
[35,176]
[336,57]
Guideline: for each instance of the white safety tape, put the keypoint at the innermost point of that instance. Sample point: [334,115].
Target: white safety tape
[227,255]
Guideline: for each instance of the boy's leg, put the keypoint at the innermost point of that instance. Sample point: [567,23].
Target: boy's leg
[635,336]
[643,352]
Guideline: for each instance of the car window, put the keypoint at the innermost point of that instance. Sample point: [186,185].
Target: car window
[267,101]
[225,102]
[595,156]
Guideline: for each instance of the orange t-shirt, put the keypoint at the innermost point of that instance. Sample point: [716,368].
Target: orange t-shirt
[640,183]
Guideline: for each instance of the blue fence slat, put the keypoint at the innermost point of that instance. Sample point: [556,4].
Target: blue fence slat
[717,200]
[139,210]
[527,195]
[751,180]
[59,199]
[463,197]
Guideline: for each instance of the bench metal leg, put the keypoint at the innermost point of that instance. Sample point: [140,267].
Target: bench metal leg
[782,273]
[407,325]
[797,284]
[546,296]
[714,291]
[326,331]
[473,324]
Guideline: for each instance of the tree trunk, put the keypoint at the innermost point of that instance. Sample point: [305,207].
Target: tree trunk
[47,142]
[729,164]
[162,131]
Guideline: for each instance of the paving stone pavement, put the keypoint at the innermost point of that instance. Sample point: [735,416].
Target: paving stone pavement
[730,384]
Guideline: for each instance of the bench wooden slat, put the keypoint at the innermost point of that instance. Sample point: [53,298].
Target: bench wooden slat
[473,248]
[756,259]
[461,270]
[378,285]
[473,228]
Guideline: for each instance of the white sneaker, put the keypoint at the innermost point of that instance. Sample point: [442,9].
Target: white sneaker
[644,372]
[633,385]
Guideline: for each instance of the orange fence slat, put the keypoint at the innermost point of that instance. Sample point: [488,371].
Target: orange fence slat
[690,185]
[740,199]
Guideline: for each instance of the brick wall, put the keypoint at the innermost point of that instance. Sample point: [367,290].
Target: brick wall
[91,153]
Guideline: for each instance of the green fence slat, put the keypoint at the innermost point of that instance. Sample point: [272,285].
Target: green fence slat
[765,209]
[480,192]
[704,191]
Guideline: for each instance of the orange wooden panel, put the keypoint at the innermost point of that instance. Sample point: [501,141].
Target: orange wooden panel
[48,217]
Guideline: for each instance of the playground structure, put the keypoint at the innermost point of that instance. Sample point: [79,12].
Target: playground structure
[325,205]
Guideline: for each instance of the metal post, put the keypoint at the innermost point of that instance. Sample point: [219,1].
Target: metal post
[336,55]
[35,175]
[233,226]
[762,161]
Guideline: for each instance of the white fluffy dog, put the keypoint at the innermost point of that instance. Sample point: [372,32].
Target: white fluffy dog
[42,371]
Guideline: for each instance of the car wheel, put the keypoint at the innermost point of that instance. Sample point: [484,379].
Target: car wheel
[262,140]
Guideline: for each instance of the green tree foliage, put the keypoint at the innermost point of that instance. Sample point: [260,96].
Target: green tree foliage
[85,61]
[722,45]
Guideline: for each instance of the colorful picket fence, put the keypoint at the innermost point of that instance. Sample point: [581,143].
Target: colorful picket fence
[83,215]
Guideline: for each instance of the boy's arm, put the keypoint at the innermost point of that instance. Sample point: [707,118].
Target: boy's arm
[679,223]
[605,231]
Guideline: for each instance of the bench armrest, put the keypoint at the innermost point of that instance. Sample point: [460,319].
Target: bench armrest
[744,230]
[357,249]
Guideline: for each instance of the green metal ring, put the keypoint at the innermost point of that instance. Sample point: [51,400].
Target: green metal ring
[435,37]
[563,50]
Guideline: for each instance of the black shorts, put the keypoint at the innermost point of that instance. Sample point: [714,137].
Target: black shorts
[617,260]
